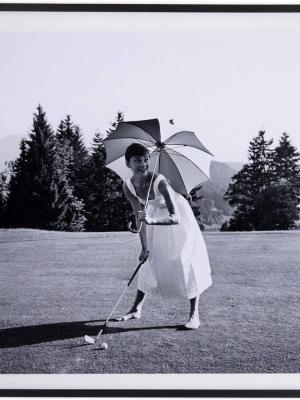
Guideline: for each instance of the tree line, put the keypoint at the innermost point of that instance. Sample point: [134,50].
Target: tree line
[56,183]
[266,191]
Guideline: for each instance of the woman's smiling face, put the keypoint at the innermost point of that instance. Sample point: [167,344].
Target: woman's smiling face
[139,165]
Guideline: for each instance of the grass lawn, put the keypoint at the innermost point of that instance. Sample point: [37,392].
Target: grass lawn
[57,287]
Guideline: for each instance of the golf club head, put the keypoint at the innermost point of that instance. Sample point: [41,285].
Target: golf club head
[88,339]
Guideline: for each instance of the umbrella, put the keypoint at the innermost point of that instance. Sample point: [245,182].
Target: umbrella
[179,154]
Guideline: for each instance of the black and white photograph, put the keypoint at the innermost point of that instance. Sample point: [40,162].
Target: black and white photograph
[149,194]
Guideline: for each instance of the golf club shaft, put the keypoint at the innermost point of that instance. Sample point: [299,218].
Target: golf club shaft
[127,286]
[136,271]
[102,329]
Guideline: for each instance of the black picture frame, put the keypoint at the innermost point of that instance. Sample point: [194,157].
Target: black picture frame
[151,8]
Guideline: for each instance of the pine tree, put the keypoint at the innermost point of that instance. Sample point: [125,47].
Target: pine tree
[115,202]
[2,200]
[70,211]
[72,160]
[285,166]
[266,191]
[275,209]
[98,149]
[31,189]
[260,156]
[224,227]
[40,195]
[248,183]
[108,208]
[70,138]
[41,172]
[115,124]
[3,196]
[18,204]
[98,217]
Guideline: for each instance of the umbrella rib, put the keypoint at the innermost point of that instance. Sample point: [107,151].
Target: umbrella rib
[165,152]
[194,147]
[159,161]
[181,155]
[205,151]
[148,134]
[174,135]
[142,141]
[171,148]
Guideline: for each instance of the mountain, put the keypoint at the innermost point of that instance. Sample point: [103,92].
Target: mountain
[235,165]
[9,149]
[214,209]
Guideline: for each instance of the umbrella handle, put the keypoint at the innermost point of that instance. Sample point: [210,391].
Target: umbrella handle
[133,230]
[147,198]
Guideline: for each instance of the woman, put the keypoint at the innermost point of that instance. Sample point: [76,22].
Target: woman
[178,264]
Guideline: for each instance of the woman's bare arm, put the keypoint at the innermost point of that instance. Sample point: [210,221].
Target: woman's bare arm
[174,218]
[136,208]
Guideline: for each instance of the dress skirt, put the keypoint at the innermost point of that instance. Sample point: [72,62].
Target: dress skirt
[178,264]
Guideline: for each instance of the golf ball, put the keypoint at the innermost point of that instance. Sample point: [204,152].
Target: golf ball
[104,346]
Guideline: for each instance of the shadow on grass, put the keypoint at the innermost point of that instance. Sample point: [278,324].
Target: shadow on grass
[36,334]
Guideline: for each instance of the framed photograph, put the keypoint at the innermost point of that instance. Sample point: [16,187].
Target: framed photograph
[149,200]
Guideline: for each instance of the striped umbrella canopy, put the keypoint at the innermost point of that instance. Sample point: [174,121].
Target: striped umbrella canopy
[182,158]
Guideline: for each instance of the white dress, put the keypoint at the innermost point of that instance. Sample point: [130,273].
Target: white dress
[178,264]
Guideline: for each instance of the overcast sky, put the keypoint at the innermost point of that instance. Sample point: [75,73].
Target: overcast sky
[225,85]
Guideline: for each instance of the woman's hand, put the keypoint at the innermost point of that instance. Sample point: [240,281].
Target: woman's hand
[143,216]
[144,255]
[175,220]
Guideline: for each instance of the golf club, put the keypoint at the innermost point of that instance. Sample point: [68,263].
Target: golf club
[89,339]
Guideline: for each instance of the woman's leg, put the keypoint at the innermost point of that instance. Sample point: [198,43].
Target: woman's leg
[194,314]
[136,310]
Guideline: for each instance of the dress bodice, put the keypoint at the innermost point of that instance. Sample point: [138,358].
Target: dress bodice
[158,201]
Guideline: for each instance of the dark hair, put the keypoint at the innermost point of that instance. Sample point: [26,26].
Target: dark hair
[136,149]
